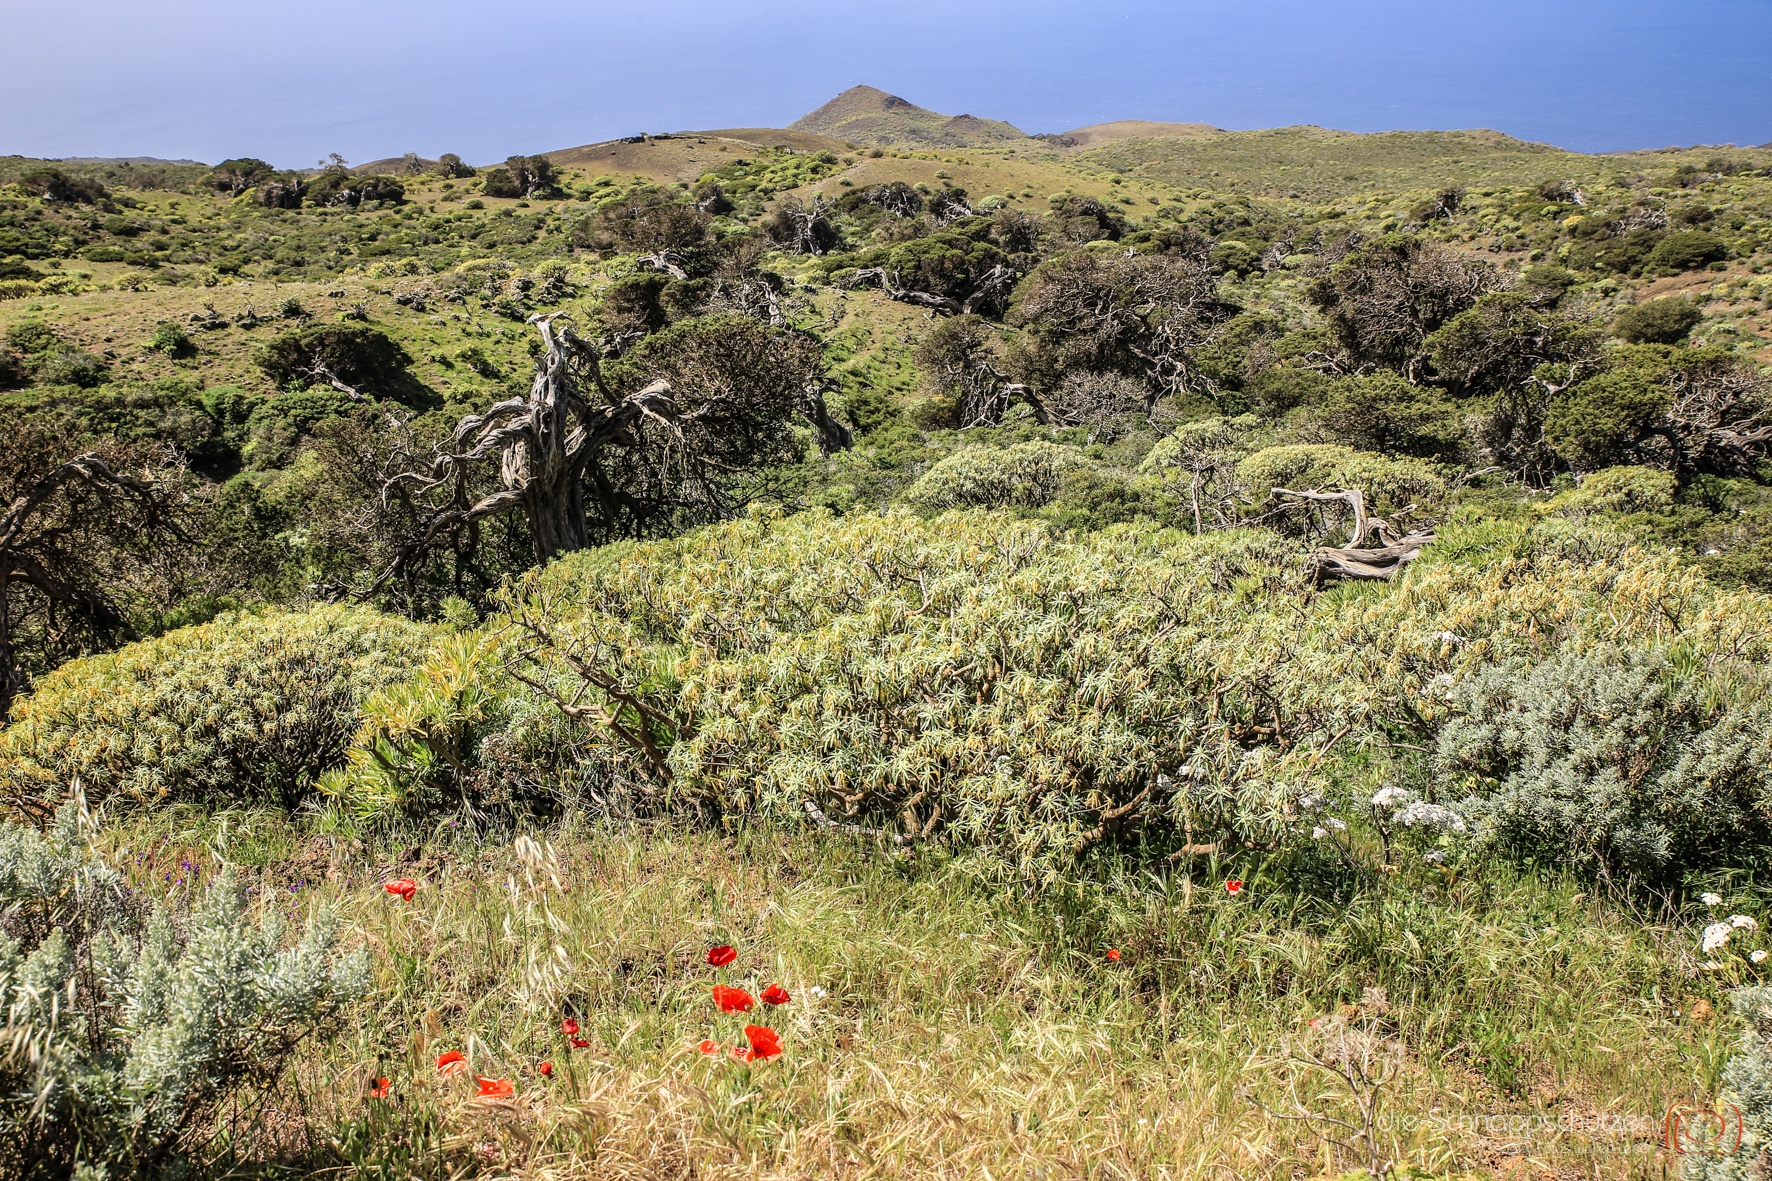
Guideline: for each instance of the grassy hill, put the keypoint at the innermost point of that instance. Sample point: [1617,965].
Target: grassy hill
[865,115]
[688,155]
[1098,134]
[1314,163]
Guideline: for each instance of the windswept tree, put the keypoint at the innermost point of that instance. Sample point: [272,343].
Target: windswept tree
[962,364]
[1687,411]
[523,176]
[672,235]
[802,227]
[688,428]
[450,166]
[234,177]
[1141,316]
[1503,339]
[52,184]
[81,529]
[1384,300]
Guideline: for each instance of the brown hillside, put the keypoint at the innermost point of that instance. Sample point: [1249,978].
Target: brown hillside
[866,114]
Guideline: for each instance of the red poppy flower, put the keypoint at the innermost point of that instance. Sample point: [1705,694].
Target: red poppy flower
[709,1046]
[1234,886]
[451,1064]
[378,1088]
[775,994]
[1114,954]
[722,955]
[569,1027]
[494,1088]
[547,1069]
[765,1042]
[404,887]
[578,1043]
[732,1000]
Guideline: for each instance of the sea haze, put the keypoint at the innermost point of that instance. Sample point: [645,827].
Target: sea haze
[206,79]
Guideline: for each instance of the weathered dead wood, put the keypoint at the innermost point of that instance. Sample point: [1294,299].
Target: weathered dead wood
[1358,559]
[543,442]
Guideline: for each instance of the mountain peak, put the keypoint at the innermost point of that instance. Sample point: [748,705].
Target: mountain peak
[867,114]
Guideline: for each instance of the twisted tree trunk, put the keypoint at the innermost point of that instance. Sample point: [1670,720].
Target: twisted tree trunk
[544,443]
[1358,559]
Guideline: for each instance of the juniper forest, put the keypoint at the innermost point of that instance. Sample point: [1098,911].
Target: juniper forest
[889,648]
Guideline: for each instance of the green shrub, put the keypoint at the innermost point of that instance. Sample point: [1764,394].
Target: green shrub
[981,681]
[359,356]
[1389,484]
[971,679]
[1658,321]
[1026,475]
[1687,250]
[125,1038]
[1386,414]
[1621,490]
[1600,422]
[246,707]
[71,367]
[171,340]
[31,337]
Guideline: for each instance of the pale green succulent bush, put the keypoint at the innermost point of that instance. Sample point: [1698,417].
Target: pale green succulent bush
[1006,688]
[1389,484]
[125,1031]
[1619,490]
[245,708]
[1026,475]
[976,678]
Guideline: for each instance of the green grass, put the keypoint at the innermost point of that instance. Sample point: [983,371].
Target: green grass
[1315,162]
[964,1031]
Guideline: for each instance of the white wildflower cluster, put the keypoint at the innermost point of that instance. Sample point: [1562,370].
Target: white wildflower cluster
[1422,814]
[202,1012]
[1391,797]
[1330,825]
[1718,934]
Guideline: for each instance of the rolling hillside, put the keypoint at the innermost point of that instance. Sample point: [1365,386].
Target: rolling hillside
[866,115]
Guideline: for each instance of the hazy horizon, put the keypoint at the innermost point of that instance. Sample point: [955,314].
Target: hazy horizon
[203,80]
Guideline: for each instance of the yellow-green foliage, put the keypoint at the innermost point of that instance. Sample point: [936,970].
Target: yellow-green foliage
[972,676]
[415,733]
[1389,484]
[1026,475]
[1205,442]
[984,680]
[246,707]
[1619,490]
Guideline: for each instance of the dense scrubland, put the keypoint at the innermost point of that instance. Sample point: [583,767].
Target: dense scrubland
[1176,654]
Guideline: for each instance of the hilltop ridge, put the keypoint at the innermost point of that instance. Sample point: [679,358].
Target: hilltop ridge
[867,114]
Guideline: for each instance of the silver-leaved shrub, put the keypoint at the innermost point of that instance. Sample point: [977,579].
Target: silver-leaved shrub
[1747,1089]
[1626,759]
[123,1030]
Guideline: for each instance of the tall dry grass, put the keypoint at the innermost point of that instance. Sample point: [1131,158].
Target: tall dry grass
[962,1031]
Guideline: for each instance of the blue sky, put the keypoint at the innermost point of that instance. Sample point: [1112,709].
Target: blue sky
[290,82]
